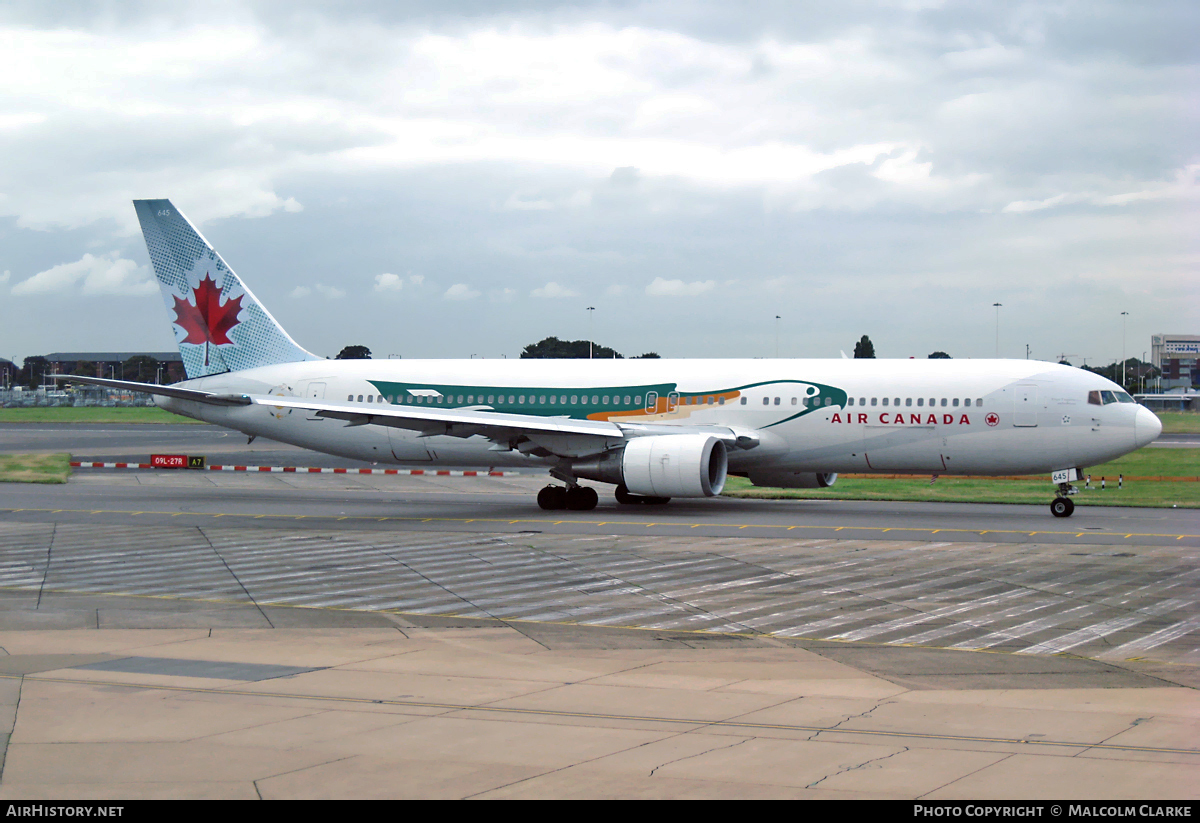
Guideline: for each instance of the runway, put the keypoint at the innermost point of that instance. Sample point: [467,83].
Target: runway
[946,576]
[277,635]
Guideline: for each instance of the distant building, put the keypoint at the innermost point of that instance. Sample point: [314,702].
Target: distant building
[109,363]
[1175,355]
[8,373]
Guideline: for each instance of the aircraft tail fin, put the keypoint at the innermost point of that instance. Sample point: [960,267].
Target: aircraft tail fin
[219,324]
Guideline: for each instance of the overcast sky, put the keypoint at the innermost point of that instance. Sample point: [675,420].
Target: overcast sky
[448,179]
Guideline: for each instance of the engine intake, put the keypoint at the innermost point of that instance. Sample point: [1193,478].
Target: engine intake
[670,465]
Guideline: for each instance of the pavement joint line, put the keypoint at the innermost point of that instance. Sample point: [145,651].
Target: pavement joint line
[596,523]
[739,724]
[523,621]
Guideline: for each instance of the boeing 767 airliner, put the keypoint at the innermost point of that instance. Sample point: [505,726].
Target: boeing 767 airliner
[655,429]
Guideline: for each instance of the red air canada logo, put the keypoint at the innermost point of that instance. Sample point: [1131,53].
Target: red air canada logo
[992,419]
[209,320]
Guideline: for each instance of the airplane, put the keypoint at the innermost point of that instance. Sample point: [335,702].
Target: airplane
[655,429]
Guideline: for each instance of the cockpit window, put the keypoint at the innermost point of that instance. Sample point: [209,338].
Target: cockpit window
[1094,398]
[1124,398]
[1109,397]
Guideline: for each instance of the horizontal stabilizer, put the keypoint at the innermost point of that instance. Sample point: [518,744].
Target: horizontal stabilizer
[164,391]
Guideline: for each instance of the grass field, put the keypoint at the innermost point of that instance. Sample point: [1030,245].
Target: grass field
[1143,463]
[34,468]
[92,414]
[1180,422]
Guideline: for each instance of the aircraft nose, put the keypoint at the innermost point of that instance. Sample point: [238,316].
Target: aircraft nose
[1146,427]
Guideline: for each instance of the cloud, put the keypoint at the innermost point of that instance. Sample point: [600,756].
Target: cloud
[662,287]
[328,292]
[90,275]
[461,291]
[553,290]
[4,277]
[388,282]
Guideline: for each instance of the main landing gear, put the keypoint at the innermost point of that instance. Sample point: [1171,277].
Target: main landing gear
[575,498]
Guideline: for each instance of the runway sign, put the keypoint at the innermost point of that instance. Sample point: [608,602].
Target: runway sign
[169,461]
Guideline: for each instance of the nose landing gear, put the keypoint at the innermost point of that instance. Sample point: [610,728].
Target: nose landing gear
[1062,507]
[575,498]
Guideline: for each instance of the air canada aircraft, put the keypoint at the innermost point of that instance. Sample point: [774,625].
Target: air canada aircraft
[655,429]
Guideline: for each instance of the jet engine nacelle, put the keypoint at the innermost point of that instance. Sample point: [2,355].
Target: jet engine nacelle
[793,480]
[669,465]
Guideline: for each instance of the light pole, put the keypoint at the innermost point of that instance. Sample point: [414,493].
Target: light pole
[590,309]
[1124,314]
[997,305]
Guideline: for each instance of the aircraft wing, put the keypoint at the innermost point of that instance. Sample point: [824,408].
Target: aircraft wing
[210,398]
[556,435]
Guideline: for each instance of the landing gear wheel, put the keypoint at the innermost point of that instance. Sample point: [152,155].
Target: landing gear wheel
[582,498]
[552,498]
[1062,507]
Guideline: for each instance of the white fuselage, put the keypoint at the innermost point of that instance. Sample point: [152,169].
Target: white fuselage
[986,417]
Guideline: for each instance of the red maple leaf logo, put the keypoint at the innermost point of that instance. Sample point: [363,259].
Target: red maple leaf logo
[208,320]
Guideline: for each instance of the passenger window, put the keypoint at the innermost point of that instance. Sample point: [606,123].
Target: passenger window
[360,398]
[978,401]
[874,401]
[776,401]
[596,400]
[521,400]
[470,400]
[828,401]
[955,403]
[943,401]
[967,402]
[885,401]
[849,401]
[862,401]
[541,400]
[793,401]
[908,401]
[553,400]
[920,401]
[511,400]
[897,401]
[350,398]
[637,399]
[720,400]
[743,401]
[574,399]
[766,401]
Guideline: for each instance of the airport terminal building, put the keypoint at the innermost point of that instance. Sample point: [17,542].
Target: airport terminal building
[1175,355]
